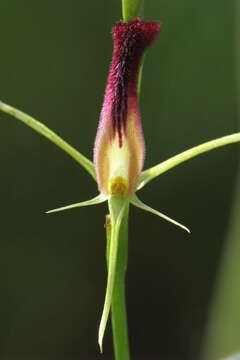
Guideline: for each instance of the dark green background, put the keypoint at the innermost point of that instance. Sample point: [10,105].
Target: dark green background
[53,64]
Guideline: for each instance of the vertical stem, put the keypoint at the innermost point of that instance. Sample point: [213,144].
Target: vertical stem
[132,9]
[118,308]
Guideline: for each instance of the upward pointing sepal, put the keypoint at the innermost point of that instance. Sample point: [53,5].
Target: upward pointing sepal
[50,135]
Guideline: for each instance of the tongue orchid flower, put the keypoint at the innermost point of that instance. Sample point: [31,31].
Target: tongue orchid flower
[119,149]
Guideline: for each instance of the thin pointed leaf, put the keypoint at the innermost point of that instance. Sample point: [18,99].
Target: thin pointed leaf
[138,203]
[157,170]
[97,200]
[49,134]
[117,206]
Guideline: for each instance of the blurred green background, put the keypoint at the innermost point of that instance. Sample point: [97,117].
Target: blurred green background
[53,65]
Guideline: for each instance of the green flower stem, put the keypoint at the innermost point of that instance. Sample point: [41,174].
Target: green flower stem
[50,135]
[118,308]
[117,246]
[159,169]
[132,9]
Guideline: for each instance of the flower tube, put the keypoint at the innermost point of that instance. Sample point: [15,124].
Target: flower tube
[119,146]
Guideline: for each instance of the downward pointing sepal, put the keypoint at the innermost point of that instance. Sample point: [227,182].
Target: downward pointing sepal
[96,200]
[134,200]
[117,207]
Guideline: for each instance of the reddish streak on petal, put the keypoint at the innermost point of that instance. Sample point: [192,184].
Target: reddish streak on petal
[130,41]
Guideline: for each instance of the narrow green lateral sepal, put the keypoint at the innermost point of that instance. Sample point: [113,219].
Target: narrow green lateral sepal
[96,200]
[117,207]
[164,166]
[138,203]
[50,135]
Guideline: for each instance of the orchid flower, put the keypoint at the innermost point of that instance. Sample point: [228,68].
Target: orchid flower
[119,149]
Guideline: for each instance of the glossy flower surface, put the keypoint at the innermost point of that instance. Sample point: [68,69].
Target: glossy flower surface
[119,146]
